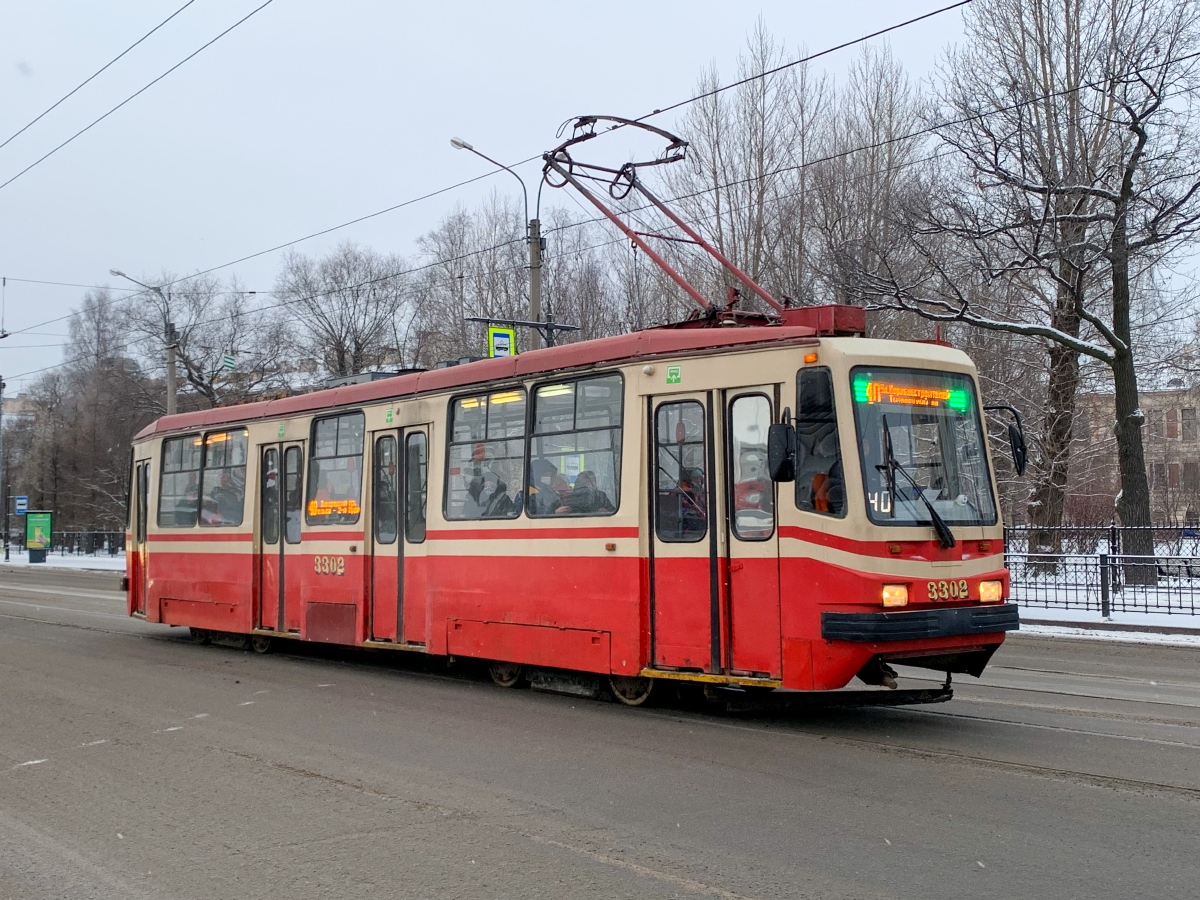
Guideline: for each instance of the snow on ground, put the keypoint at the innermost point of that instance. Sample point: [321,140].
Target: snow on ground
[102,562]
[1103,634]
[1067,617]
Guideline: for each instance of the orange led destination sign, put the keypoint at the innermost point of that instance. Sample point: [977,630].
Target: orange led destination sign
[332,507]
[908,394]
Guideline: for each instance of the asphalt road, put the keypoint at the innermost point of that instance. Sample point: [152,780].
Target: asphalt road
[134,764]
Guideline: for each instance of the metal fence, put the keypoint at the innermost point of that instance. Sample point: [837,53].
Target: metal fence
[1085,569]
[88,543]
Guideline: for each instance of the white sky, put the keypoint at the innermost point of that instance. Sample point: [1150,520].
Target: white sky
[313,113]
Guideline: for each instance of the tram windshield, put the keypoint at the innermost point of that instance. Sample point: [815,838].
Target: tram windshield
[936,443]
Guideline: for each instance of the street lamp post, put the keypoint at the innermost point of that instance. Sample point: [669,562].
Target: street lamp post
[171,337]
[533,236]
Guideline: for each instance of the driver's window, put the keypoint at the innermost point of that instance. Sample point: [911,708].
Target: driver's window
[820,478]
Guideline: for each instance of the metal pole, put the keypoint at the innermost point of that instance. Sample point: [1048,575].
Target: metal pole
[535,280]
[1105,594]
[171,339]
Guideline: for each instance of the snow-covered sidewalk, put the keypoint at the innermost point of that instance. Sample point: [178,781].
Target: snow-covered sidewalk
[101,562]
[1089,624]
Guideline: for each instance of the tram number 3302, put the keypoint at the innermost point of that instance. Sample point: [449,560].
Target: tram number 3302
[336,565]
[948,590]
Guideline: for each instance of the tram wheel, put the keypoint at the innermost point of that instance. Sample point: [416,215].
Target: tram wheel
[632,691]
[200,636]
[506,674]
[260,643]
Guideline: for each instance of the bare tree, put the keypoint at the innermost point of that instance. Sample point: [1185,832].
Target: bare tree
[1069,163]
[347,305]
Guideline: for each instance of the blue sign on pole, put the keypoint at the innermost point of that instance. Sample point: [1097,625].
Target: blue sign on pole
[22,505]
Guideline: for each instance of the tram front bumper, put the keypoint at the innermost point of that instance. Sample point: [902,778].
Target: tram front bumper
[919,624]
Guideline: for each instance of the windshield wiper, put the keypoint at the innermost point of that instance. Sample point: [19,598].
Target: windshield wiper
[890,467]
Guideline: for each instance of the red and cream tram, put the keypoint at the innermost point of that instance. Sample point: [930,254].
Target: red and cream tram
[604,507]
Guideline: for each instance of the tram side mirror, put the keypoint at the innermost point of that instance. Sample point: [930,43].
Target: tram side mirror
[1016,439]
[781,449]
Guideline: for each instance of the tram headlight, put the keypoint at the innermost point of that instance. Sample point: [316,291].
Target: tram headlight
[991,591]
[895,595]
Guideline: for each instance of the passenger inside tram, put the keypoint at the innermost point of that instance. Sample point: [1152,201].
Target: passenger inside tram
[819,479]
[585,497]
[544,499]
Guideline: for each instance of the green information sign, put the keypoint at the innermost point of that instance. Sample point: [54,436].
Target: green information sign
[38,528]
[674,374]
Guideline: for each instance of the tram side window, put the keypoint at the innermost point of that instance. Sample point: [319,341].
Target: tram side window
[752,491]
[416,475]
[575,452]
[820,478]
[335,471]
[293,496]
[223,486]
[681,498]
[179,487]
[486,456]
[270,496]
[386,482]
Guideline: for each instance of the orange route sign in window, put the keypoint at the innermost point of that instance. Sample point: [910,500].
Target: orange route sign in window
[332,507]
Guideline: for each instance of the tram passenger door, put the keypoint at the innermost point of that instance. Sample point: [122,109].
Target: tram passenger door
[753,640]
[715,563]
[141,509]
[281,501]
[399,475]
[684,583]
[386,556]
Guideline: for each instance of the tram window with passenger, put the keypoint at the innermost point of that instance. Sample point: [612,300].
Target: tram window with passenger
[820,474]
[335,471]
[485,457]
[925,427]
[575,448]
[179,487]
[223,483]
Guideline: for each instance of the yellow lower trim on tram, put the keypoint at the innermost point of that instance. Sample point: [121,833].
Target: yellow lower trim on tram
[744,680]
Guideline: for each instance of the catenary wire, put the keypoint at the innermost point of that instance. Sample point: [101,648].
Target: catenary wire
[805,59]
[470,254]
[746,80]
[136,94]
[743,81]
[875,145]
[76,89]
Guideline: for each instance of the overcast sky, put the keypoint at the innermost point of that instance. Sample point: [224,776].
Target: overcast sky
[312,113]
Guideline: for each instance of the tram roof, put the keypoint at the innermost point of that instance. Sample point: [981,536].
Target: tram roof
[625,348]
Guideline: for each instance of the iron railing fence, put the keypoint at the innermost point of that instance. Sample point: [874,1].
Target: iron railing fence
[1161,540]
[1106,583]
[88,543]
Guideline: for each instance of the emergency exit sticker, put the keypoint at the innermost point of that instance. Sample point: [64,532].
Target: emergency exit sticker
[282,428]
[674,374]
[387,418]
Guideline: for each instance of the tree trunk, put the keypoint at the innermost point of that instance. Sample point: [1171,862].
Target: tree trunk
[1047,500]
[1133,503]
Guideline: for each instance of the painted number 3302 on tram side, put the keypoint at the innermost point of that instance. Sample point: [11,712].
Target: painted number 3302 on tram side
[782,506]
